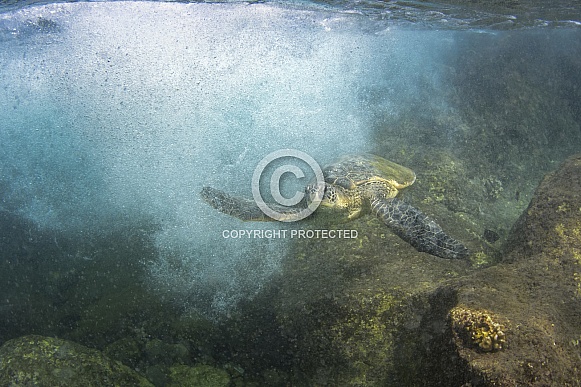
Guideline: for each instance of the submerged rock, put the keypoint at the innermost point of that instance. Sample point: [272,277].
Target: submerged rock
[199,375]
[371,312]
[536,292]
[352,309]
[46,361]
[552,219]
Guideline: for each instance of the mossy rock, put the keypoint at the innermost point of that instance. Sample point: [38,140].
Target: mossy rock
[199,375]
[535,295]
[370,311]
[443,179]
[352,307]
[46,361]
[127,350]
[553,215]
[121,313]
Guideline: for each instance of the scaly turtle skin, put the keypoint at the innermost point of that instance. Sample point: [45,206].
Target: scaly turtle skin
[356,185]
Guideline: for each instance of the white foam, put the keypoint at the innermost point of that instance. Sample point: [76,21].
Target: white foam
[133,107]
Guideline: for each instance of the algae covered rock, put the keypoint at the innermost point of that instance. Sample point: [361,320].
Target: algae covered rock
[554,210]
[383,315]
[46,361]
[199,375]
[352,309]
[536,291]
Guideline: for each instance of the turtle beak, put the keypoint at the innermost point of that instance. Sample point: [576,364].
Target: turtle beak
[315,193]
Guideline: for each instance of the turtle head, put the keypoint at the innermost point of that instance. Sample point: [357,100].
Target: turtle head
[330,196]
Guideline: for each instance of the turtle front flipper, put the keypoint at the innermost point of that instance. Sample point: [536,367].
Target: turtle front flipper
[417,229]
[244,209]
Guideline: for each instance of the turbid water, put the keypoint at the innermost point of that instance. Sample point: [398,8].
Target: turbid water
[114,115]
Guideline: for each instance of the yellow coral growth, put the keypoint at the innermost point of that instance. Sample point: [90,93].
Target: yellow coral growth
[477,329]
[365,335]
[569,240]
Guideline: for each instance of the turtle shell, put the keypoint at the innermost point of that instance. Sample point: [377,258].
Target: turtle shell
[351,171]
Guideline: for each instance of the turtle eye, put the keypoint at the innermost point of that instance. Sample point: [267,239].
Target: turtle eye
[329,194]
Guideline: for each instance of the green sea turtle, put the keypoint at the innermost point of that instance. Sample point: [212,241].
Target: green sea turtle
[356,185]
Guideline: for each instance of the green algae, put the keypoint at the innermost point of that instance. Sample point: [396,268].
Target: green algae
[199,375]
[363,315]
[47,361]
[541,262]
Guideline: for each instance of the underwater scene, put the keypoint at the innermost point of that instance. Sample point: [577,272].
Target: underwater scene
[302,193]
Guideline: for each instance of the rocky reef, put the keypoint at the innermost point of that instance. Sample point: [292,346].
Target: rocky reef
[367,311]
[383,315]
[45,361]
[353,309]
[536,288]
[200,375]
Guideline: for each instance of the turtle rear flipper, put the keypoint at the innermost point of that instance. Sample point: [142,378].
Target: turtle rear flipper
[417,229]
[241,208]
[244,209]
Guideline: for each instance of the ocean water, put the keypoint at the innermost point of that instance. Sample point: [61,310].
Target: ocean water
[131,116]
[114,115]
[128,109]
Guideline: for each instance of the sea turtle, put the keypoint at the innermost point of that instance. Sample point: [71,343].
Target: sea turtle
[356,185]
